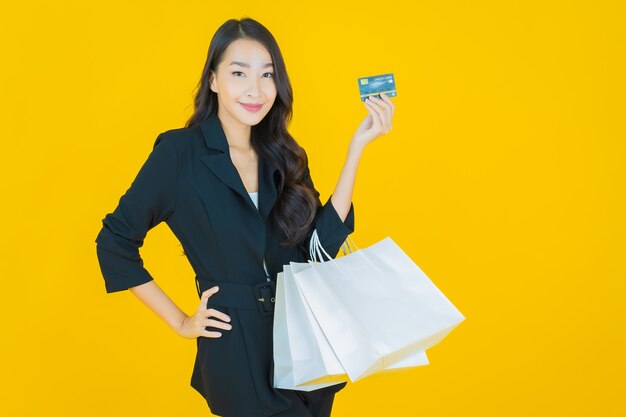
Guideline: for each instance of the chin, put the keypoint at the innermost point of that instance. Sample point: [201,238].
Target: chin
[253,120]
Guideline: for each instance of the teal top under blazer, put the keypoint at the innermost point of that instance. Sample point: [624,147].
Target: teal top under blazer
[189,182]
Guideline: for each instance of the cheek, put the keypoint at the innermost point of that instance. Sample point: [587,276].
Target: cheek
[231,90]
[271,93]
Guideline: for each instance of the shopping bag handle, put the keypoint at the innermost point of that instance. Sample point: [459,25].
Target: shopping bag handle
[316,248]
[346,243]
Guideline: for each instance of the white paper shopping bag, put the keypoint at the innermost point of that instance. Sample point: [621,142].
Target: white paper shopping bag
[314,360]
[297,352]
[375,306]
[303,357]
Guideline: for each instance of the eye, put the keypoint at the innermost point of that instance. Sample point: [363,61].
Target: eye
[235,72]
[270,73]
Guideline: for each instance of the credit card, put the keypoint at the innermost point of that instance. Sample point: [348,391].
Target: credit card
[373,86]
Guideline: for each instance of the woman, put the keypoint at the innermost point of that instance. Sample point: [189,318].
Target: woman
[235,189]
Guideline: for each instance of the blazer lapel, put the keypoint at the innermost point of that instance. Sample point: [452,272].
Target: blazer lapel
[220,163]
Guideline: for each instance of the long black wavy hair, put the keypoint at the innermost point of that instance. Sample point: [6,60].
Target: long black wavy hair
[298,200]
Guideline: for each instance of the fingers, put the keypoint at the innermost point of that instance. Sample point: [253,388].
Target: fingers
[379,111]
[374,112]
[211,312]
[207,333]
[385,106]
[201,320]
[388,101]
[384,109]
[205,296]
[216,323]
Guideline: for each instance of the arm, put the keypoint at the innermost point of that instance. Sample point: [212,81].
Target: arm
[156,300]
[186,326]
[342,196]
[375,124]
[331,226]
[149,200]
[335,220]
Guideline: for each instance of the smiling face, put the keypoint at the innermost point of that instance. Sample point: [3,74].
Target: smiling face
[244,76]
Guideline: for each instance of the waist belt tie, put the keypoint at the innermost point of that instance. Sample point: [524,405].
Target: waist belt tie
[259,297]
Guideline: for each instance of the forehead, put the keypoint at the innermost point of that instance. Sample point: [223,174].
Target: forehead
[247,51]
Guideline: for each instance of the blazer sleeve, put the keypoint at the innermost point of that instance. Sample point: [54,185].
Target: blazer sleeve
[331,230]
[150,199]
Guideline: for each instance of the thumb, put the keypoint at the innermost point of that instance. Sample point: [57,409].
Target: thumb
[205,297]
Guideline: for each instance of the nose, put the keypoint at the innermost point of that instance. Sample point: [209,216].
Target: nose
[253,88]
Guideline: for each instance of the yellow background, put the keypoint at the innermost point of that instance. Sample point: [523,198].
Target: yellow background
[503,178]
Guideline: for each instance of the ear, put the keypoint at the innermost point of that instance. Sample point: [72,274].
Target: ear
[212,83]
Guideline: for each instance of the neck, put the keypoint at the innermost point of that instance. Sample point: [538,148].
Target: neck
[237,134]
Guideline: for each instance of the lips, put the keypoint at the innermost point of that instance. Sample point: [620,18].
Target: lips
[251,107]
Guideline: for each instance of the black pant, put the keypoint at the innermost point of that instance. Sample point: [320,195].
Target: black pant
[306,405]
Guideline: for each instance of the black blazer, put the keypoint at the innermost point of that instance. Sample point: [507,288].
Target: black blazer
[190,182]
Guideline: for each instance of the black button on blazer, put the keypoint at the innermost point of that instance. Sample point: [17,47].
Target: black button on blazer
[190,182]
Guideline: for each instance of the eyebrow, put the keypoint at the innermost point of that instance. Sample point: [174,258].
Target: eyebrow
[243,64]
